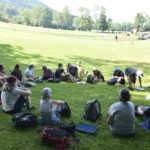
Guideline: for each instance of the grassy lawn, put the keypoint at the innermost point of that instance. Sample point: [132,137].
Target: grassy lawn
[23,45]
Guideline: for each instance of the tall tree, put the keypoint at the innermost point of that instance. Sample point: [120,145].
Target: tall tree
[85,19]
[67,18]
[102,21]
[139,22]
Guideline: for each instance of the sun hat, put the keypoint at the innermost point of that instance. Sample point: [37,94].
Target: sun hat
[140,74]
[94,69]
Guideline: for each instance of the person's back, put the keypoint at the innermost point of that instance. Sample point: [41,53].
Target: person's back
[121,115]
[45,111]
[123,120]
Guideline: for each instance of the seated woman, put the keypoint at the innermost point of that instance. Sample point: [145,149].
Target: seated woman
[47,73]
[29,72]
[98,76]
[14,98]
[17,73]
[49,108]
[121,115]
[2,69]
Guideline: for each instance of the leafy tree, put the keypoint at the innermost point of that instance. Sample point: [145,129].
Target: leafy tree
[110,24]
[67,18]
[139,22]
[57,19]
[102,21]
[85,19]
[42,16]
[25,17]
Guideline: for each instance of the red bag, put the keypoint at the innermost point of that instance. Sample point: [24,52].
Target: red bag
[55,137]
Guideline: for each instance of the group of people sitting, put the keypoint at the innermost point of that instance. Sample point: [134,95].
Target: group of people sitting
[120,115]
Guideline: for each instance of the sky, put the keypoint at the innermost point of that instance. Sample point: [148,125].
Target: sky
[118,10]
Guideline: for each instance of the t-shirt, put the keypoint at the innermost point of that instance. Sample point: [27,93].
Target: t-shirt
[73,70]
[46,111]
[123,118]
[59,72]
[9,99]
[130,71]
[29,72]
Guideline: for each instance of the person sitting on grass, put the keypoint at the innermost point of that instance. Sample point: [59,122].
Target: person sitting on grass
[121,115]
[14,98]
[29,72]
[119,75]
[132,73]
[59,71]
[47,73]
[3,76]
[49,108]
[98,76]
[17,73]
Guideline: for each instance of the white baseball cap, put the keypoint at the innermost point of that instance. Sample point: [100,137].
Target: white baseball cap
[140,74]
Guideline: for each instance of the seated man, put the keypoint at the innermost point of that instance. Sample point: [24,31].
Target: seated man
[73,70]
[59,72]
[29,72]
[98,76]
[132,73]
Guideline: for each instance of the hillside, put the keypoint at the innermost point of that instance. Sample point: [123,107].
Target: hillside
[21,3]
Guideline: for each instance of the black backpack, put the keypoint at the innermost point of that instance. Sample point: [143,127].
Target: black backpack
[65,110]
[24,119]
[112,81]
[92,110]
[90,79]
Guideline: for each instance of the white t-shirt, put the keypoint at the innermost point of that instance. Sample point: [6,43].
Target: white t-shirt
[123,118]
[29,73]
[9,99]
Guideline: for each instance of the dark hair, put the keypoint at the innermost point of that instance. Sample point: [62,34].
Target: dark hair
[60,65]
[16,66]
[124,95]
[1,67]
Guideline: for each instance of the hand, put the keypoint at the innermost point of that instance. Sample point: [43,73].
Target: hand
[132,84]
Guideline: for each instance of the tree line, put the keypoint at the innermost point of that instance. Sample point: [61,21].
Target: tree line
[49,18]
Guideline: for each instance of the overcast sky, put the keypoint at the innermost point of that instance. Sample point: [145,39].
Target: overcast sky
[118,10]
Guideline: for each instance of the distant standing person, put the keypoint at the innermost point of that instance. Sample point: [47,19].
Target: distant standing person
[116,38]
[132,73]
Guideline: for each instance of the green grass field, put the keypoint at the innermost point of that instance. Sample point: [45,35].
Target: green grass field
[23,45]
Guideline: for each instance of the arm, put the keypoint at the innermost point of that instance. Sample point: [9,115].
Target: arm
[110,119]
[24,92]
[58,102]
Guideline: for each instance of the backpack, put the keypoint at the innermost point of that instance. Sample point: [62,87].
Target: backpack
[112,81]
[24,119]
[92,110]
[65,110]
[90,79]
[55,137]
